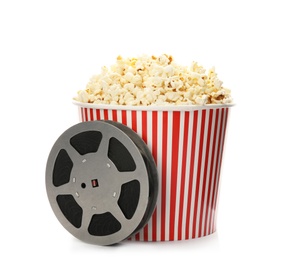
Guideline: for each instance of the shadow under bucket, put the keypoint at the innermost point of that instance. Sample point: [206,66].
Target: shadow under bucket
[187,145]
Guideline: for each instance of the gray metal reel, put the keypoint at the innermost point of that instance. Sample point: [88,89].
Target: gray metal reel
[101,182]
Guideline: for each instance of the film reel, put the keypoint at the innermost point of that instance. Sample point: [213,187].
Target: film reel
[101,182]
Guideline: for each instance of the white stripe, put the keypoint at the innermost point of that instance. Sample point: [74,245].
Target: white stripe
[129,118]
[89,114]
[159,168]
[119,116]
[101,114]
[187,174]
[195,172]
[179,171]
[202,173]
[168,174]
[80,114]
[141,235]
[110,114]
[94,114]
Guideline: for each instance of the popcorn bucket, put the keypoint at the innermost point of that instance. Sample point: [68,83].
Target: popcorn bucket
[187,145]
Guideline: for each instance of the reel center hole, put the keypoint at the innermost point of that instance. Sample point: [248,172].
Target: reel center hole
[83,185]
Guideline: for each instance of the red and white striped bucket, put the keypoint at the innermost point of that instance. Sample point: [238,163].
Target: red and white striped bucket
[187,145]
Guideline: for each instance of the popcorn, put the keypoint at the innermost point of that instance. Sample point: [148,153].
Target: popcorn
[150,80]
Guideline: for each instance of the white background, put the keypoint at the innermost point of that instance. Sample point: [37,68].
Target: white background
[50,49]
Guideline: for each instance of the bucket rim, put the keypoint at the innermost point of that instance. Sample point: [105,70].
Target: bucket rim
[152,107]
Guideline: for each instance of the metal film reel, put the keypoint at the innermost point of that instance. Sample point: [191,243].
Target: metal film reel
[101,182]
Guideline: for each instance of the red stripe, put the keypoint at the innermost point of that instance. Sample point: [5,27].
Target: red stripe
[207,231]
[154,154]
[114,115]
[203,118]
[105,114]
[134,120]
[205,172]
[91,114]
[144,125]
[137,236]
[98,114]
[86,113]
[220,162]
[174,168]
[195,118]
[184,161]
[164,167]
[144,137]
[124,117]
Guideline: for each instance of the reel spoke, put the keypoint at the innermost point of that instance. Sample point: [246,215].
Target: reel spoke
[118,214]
[63,189]
[73,154]
[124,177]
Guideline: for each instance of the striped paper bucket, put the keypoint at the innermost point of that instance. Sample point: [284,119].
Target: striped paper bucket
[187,145]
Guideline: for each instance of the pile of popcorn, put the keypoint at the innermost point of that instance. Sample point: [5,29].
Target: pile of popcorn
[149,80]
